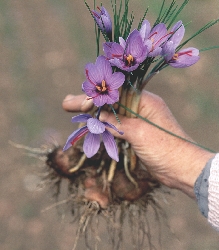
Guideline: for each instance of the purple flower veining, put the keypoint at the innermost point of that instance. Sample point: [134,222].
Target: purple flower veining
[182,58]
[103,20]
[154,38]
[93,131]
[127,55]
[102,84]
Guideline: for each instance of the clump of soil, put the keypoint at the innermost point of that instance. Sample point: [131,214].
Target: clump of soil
[92,195]
[92,177]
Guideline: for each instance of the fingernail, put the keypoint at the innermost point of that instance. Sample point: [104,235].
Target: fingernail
[87,103]
[68,98]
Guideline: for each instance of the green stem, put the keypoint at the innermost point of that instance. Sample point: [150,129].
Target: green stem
[209,48]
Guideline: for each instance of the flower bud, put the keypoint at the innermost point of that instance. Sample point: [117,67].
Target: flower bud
[103,21]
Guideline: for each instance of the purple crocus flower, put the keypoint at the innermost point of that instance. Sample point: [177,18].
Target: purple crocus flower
[102,85]
[182,58]
[93,131]
[127,55]
[103,21]
[153,38]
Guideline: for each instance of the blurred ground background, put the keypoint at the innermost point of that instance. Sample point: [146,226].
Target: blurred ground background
[44,45]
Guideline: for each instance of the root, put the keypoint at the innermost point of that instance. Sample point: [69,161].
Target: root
[126,165]
[91,210]
[79,165]
[99,187]
[57,204]
[128,173]
[44,150]
[39,153]
[111,171]
[133,159]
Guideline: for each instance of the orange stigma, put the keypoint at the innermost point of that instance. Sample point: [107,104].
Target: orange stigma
[176,55]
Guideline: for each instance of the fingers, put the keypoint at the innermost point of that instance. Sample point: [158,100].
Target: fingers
[126,125]
[80,103]
[151,107]
[77,103]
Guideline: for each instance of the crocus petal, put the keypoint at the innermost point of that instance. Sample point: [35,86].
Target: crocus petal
[91,144]
[89,89]
[116,80]
[130,69]
[134,44]
[76,135]
[117,50]
[121,65]
[100,100]
[112,50]
[168,51]
[133,47]
[137,49]
[104,67]
[118,63]
[148,43]
[107,47]
[109,125]
[103,20]
[106,24]
[143,56]
[158,34]
[122,42]
[81,118]
[95,126]
[179,32]
[113,96]
[93,74]
[184,62]
[145,30]
[110,145]
[156,52]
[186,58]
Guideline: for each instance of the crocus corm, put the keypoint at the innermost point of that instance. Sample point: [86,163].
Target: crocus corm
[93,131]
[102,84]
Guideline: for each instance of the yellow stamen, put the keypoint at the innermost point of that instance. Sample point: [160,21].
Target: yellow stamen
[130,59]
[103,87]
[175,56]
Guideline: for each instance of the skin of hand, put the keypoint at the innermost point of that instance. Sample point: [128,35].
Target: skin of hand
[172,161]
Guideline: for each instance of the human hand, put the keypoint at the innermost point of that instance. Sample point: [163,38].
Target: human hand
[172,161]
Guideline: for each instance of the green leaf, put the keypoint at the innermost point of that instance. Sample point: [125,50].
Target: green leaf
[207,26]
